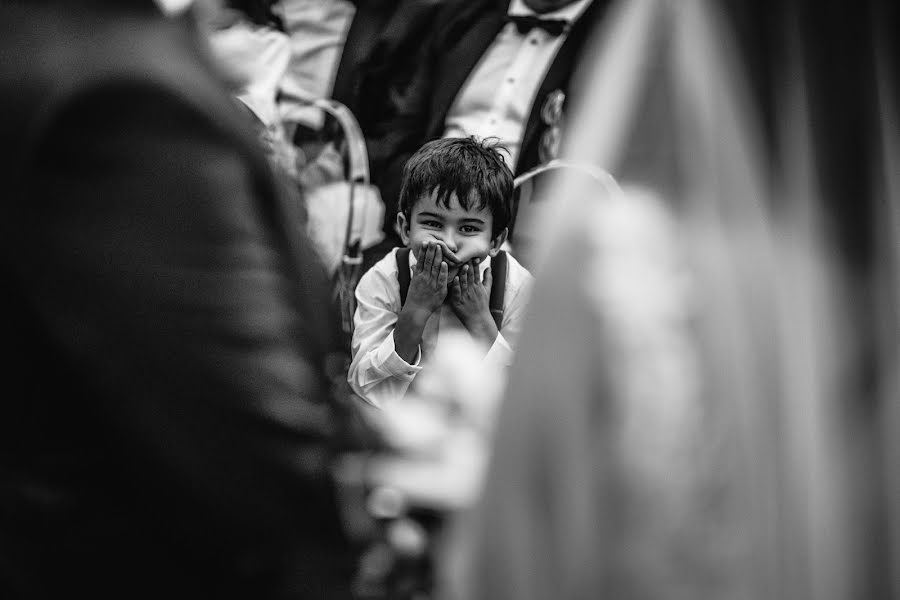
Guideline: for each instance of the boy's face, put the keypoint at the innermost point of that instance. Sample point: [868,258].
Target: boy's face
[463,234]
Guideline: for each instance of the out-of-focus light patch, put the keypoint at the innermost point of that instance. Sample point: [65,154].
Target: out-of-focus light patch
[173,7]
[441,429]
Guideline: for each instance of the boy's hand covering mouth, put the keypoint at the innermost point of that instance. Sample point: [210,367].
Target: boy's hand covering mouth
[428,286]
[446,255]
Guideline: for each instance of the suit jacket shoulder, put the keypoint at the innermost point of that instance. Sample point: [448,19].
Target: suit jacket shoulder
[54,57]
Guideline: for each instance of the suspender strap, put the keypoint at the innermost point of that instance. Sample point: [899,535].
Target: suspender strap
[403,273]
[498,287]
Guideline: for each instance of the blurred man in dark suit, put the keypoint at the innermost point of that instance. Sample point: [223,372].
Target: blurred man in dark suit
[166,428]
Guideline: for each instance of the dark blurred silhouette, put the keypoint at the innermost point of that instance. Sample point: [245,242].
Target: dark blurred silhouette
[704,404]
[167,429]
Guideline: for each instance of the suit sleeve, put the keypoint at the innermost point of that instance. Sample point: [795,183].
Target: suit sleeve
[398,84]
[156,260]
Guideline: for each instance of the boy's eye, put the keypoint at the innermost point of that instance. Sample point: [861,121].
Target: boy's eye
[430,223]
[469,229]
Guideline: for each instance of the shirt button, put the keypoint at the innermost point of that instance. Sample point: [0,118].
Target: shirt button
[534,42]
[510,80]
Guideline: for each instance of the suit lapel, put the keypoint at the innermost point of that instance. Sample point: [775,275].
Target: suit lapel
[557,78]
[401,30]
[465,42]
[361,37]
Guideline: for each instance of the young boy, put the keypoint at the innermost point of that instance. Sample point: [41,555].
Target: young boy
[454,209]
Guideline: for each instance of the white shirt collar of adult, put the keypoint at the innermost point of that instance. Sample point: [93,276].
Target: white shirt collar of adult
[569,13]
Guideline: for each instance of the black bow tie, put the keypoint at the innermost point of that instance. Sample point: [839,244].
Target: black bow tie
[525,23]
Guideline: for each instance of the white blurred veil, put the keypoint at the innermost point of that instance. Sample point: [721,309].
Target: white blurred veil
[676,424]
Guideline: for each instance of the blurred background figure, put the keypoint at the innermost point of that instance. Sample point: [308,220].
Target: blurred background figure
[249,40]
[167,430]
[345,50]
[322,69]
[285,80]
[704,404]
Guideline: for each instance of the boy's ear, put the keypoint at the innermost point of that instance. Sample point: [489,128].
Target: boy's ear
[403,228]
[497,242]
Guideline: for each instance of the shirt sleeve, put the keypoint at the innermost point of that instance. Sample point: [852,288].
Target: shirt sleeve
[517,294]
[377,373]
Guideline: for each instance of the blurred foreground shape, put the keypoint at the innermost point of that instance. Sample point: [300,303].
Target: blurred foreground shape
[705,403]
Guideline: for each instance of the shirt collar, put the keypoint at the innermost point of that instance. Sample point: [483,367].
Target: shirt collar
[569,13]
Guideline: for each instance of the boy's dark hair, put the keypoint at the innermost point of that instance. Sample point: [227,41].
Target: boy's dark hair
[472,169]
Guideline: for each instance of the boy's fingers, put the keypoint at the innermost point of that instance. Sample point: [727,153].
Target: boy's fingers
[420,257]
[451,257]
[448,254]
[472,273]
[461,276]
[488,279]
[427,253]
[442,276]
[438,260]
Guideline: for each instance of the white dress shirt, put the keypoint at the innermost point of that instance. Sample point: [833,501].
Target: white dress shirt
[377,373]
[318,30]
[497,98]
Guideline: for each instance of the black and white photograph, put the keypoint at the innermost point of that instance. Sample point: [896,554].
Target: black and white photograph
[450,300]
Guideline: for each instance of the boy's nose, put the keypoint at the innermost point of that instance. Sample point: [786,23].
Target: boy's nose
[449,238]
